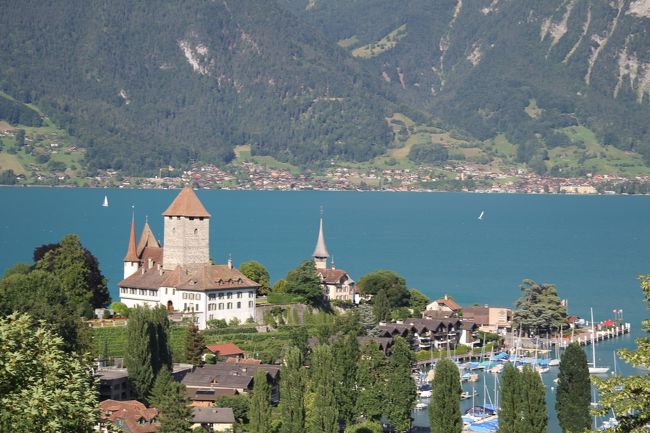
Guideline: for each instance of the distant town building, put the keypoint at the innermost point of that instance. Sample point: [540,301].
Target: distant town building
[446,304]
[180,275]
[213,419]
[226,350]
[128,416]
[336,283]
[489,319]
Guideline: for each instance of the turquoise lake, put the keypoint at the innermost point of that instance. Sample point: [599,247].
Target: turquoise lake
[591,247]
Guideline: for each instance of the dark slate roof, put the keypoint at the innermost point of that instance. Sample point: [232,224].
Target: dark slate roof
[212,415]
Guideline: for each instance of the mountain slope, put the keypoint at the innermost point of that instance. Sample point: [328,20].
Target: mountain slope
[148,84]
[481,64]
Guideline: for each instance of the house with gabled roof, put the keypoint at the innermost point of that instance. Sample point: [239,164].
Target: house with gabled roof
[179,275]
[128,416]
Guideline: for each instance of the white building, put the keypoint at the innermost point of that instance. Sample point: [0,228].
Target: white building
[336,283]
[180,275]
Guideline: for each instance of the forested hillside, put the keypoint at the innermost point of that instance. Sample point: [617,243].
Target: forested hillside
[148,84]
[526,68]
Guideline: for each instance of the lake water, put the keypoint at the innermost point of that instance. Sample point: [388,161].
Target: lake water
[592,248]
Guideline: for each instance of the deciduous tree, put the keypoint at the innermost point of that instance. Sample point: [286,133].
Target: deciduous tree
[371,380]
[393,284]
[324,417]
[292,391]
[400,386]
[258,273]
[444,409]
[346,357]
[573,395]
[304,281]
[260,404]
[381,306]
[539,309]
[510,401]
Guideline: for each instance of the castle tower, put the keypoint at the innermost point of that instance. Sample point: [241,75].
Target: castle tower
[187,232]
[320,252]
[131,260]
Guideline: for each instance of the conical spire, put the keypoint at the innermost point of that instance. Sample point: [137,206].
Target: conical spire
[187,204]
[321,249]
[147,239]
[131,254]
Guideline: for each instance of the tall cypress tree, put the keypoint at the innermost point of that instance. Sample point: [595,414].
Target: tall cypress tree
[573,395]
[259,411]
[324,417]
[381,306]
[371,379]
[400,387]
[444,410]
[346,357]
[292,392]
[510,401]
[534,414]
[194,345]
[174,405]
[161,388]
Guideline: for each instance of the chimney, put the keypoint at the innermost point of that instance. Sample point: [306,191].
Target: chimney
[229,262]
[149,263]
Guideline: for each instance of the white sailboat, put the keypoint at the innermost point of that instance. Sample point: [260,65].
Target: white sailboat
[480,217]
[105,203]
[593,369]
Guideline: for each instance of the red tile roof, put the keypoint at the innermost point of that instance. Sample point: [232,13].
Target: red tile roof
[226,349]
[135,415]
[187,204]
[332,276]
[449,302]
[131,254]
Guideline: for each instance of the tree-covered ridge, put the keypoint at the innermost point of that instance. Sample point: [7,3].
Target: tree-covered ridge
[478,65]
[185,81]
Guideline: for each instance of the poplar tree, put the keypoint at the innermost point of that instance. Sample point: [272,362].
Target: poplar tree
[401,391]
[346,356]
[324,417]
[292,392]
[510,401]
[160,388]
[381,306]
[173,404]
[259,411]
[371,375]
[444,410]
[147,349]
[533,398]
[573,395]
[194,345]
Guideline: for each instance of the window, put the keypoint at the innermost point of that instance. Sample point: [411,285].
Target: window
[221,305]
[212,296]
[239,295]
[211,317]
[184,295]
[133,292]
[198,296]
[251,294]
[250,304]
[238,304]
[229,305]
[165,290]
[185,307]
[173,291]
[229,295]
[197,307]
[220,295]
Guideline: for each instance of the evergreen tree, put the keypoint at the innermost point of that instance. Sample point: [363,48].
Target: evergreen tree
[533,399]
[573,395]
[259,412]
[371,379]
[160,388]
[292,389]
[147,349]
[380,306]
[324,417]
[346,356]
[444,410]
[510,401]
[194,345]
[173,404]
[539,309]
[400,387]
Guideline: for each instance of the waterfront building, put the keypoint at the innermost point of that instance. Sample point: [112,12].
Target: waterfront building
[179,274]
[336,283]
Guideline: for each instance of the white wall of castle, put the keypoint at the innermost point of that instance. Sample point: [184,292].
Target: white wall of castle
[187,241]
[223,304]
[130,268]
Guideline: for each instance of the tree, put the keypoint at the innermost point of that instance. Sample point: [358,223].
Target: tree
[346,355]
[147,349]
[418,300]
[539,309]
[41,384]
[292,389]
[394,285]
[305,282]
[400,387]
[260,404]
[324,417]
[380,306]
[238,403]
[194,345]
[629,397]
[258,273]
[444,410]
[371,381]
[120,309]
[510,401]
[533,403]
[20,137]
[573,394]
[173,404]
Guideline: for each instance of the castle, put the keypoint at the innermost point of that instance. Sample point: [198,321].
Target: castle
[336,283]
[180,275]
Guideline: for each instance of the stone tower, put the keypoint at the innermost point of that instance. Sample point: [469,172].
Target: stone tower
[187,232]
[320,252]
[131,260]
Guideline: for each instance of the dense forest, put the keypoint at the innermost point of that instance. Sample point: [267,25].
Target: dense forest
[479,65]
[146,85]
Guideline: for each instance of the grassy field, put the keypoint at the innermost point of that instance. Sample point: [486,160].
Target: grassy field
[345,43]
[386,43]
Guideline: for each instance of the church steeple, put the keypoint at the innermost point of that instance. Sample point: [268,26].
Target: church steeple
[320,252]
[131,260]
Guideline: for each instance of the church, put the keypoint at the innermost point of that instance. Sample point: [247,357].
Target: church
[336,283]
[179,274]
